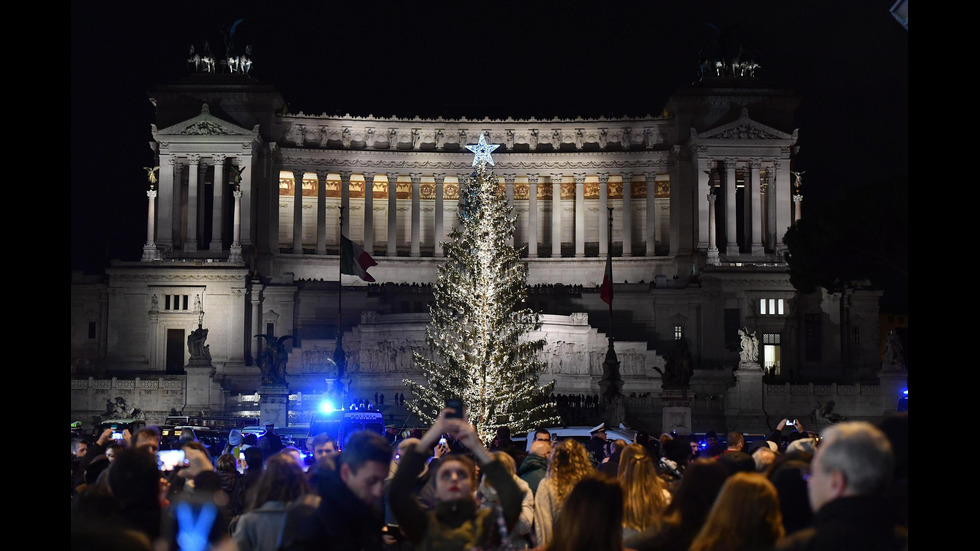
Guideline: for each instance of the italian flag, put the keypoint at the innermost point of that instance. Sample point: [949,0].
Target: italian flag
[354,261]
[606,291]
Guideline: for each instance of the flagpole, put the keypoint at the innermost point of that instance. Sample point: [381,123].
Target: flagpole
[609,241]
[339,357]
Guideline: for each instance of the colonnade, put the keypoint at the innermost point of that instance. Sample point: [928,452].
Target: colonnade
[444,196]
[178,219]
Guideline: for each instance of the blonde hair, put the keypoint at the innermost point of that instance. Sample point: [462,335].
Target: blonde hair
[744,516]
[569,463]
[643,491]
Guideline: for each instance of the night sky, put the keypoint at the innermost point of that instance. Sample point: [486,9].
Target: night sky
[848,60]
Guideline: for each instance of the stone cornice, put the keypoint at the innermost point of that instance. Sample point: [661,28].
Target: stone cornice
[380,161]
[177,276]
[370,133]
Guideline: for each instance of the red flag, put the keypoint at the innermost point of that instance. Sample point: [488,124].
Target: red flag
[606,291]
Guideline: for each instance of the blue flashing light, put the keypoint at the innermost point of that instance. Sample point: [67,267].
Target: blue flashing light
[905,392]
[326,406]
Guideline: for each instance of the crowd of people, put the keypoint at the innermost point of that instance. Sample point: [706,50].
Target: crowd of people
[445,489]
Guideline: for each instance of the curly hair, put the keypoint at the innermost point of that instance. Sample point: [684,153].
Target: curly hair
[569,463]
[643,490]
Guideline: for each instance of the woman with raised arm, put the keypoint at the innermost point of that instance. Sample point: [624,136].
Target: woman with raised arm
[456,523]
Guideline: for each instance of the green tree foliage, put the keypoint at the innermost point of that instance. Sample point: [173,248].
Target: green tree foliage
[479,350]
[859,238]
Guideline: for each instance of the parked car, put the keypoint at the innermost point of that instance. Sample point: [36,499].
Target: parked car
[581,433]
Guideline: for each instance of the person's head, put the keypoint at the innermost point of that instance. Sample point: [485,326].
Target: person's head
[294,452]
[541,449]
[503,434]
[600,434]
[789,479]
[592,516]
[364,463]
[325,446]
[270,427]
[700,485]
[853,458]
[542,443]
[616,447]
[507,460]
[253,458]
[643,499]
[147,439]
[763,457]
[94,469]
[282,480]
[456,478]
[226,463]
[744,516]
[79,447]
[135,480]
[569,463]
[736,441]
[235,438]
[112,450]
[195,445]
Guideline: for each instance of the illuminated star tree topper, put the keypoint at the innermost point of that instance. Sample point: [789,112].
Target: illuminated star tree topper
[482,151]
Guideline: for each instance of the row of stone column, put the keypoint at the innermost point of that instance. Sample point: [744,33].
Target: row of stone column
[760,204]
[194,217]
[439,232]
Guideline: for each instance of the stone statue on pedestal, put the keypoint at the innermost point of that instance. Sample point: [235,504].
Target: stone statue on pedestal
[200,352]
[749,345]
[677,370]
[272,360]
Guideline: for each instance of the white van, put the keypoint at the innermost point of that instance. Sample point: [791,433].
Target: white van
[582,434]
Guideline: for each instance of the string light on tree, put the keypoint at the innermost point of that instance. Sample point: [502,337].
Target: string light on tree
[479,345]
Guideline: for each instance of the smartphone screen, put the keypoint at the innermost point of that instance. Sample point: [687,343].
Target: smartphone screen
[168,460]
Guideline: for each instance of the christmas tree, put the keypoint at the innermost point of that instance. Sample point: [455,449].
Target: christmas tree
[479,349]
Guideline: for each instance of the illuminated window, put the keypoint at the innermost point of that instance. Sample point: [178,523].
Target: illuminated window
[771,307]
[678,332]
[771,353]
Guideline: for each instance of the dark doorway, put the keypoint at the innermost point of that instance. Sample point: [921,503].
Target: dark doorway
[175,351]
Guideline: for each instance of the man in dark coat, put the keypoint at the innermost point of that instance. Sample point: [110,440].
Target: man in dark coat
[535,466]
[349,514]
[850,471]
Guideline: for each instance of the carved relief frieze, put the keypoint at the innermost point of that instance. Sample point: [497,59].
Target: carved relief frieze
[591,190]
[568,190]
[521,191]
